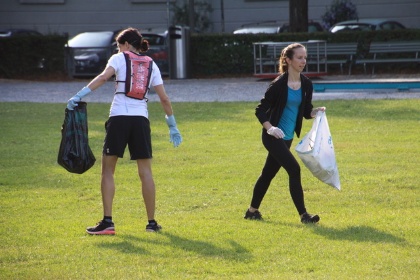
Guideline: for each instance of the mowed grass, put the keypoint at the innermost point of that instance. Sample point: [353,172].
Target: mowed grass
[369,230]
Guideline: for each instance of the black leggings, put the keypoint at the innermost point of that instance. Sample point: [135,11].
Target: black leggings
[279,155]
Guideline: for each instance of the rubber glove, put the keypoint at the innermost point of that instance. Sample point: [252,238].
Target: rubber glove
[75,99]
[316,110]
[174,135]
[276,132]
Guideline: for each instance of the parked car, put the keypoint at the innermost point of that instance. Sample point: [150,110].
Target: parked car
[21,32]
[273,27]
[18,32]
[270,29]
[158,41]
[366,25]
[313,26]
[88,52]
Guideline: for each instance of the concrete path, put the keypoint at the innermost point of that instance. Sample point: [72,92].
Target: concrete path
[193,90]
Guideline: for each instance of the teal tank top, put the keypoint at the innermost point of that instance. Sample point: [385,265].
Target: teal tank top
[287,121]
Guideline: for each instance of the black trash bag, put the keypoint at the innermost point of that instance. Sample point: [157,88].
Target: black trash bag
[75,154]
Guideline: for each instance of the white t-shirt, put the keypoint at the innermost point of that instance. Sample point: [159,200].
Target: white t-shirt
[123,105]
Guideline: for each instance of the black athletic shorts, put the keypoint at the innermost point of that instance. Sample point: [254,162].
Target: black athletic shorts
[131,130]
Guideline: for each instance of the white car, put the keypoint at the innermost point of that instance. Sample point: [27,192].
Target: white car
[366,25]
[274,28]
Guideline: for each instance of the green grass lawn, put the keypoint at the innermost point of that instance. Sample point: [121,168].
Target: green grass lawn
[369,230]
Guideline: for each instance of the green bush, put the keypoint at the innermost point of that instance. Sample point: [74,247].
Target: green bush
[31,56]
[229,54]
[340,10]
[210,55]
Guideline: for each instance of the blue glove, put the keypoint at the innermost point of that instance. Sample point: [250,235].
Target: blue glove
[75,99]
[174,135]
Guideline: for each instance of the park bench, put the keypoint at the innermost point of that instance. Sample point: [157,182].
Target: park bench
[316,56]
[267,54]
[320,54]
[341,54]
[391,52]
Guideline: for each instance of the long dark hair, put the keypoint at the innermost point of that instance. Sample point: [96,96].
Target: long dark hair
[134,38]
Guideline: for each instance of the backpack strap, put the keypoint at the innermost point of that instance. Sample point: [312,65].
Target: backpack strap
[149,76]
[127,73]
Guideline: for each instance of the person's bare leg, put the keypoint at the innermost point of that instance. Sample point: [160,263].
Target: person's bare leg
[107,183]
[148,186]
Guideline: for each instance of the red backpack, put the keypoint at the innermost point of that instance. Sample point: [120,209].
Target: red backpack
[138,73]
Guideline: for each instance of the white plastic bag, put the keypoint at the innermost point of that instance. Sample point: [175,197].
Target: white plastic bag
[316,150]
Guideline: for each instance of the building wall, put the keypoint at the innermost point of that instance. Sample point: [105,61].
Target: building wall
[238,12]
[74,16]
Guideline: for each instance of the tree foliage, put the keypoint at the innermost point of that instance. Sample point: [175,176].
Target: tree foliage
[202,12]
[340,10]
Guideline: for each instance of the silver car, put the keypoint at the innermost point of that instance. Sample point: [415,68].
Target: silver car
[366,25]
[273,27]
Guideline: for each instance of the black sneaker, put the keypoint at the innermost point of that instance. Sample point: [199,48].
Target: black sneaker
[309,219]
[253,216]
[102,228]
[153,227]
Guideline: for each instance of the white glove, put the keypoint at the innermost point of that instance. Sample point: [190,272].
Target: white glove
[276,132]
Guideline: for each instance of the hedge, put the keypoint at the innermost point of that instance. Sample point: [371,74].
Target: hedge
[210,54]
[22,57]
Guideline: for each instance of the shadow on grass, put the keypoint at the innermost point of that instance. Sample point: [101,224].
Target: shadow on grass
[132,245]
[126,247]
[358,234]
[235,252]
[355,233]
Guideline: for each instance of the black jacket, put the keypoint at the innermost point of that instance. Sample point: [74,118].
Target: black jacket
[274,101]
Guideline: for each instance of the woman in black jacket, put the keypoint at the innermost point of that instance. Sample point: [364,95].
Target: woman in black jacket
[286,102]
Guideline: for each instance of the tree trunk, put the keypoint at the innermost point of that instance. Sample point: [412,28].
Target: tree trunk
[191,14]
[298,15]
[222,15]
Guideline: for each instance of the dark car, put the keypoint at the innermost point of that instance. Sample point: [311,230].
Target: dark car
[18,32]
[88,52]
[158,48]
[273,27]
[313,26]
[366,25]
[21,32]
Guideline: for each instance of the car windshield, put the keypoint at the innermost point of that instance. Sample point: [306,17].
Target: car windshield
[83,52]
[258,29]
[92,39]
[391,26]
[314,28]
[22,32]
[154,40]
[353,27]
[5,33]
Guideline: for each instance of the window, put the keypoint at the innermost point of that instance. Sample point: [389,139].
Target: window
[150,1]
[42,1]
